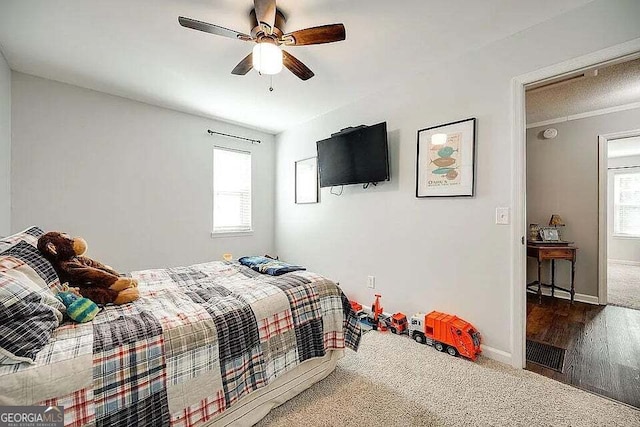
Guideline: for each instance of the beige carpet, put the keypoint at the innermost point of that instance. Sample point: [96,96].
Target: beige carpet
[623,285]
[394,381]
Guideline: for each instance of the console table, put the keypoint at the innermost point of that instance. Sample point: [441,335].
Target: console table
[542,252]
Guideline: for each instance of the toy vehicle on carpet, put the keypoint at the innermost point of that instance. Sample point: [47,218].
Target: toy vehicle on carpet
[446,332]
[376,311]
[396,323]
[357,308]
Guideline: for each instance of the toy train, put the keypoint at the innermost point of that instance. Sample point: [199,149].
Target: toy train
[445,332]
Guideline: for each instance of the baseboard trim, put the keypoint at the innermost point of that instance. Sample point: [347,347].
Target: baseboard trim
[495,354]
[623,262]
[589,299]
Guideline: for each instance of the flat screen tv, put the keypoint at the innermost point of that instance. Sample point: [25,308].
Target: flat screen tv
[357,156]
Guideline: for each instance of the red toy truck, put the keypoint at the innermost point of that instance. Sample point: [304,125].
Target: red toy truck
[396,323]
[446,332]
[357,308]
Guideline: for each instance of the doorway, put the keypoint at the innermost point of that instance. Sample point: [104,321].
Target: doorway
[620,204]
[570,334]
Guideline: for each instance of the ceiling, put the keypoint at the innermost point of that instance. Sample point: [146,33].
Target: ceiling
[136,49]
[624,147]
[613,86]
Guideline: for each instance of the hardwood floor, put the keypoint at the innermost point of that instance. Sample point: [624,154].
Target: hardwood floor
[602,343]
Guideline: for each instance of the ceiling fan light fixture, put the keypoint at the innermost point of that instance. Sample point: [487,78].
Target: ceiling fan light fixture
[267,31]
[267,58]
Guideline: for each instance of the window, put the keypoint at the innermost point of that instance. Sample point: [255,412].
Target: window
[626,204]
[231,191]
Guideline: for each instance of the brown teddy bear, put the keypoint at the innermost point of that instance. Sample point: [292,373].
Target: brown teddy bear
[98,282]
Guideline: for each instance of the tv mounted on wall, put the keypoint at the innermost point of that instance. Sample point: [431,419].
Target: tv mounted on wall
[354,156]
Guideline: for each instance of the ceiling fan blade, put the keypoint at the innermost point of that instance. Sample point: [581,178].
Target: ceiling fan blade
[244,66]
[213,29]
[265,14]
[316,35]
[296,67]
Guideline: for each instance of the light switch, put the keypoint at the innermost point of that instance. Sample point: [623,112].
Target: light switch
[502,216]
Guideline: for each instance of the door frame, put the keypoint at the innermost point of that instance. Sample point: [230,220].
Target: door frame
[620,52]
[603,208]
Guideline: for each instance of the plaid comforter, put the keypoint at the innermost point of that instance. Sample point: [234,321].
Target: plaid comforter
[198,339]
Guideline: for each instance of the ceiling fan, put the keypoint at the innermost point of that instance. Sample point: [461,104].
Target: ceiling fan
[268,33]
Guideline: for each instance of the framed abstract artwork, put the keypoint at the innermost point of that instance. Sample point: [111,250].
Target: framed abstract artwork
[306,171]
[446,160]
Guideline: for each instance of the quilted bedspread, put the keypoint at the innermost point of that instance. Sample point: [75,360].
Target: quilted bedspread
[199,339]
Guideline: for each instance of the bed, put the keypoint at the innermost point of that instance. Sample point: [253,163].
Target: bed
[205,345]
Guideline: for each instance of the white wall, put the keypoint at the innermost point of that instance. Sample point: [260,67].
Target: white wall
[134,179]
[5,147]
[620,248]
[427,254]
[562,178]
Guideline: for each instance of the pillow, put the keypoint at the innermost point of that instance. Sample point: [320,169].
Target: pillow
[22,272]
[30,235]
[26,323]
[269,266]
[31,256]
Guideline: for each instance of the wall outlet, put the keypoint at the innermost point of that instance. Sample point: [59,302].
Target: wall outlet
[371,282]
[502,216]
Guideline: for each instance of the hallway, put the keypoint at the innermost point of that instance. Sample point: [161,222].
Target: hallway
[602,345]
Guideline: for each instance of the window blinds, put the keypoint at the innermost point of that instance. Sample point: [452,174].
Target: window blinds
[626,205]
[231,191]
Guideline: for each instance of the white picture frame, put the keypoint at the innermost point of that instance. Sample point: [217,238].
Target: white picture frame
[306,181]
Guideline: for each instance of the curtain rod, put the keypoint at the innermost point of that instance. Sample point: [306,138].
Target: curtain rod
[253,141]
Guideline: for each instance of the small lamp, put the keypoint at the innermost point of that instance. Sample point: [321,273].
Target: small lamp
[557,221]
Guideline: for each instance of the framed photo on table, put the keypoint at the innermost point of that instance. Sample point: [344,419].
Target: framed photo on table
[549,234]
[306,172]
[446,160]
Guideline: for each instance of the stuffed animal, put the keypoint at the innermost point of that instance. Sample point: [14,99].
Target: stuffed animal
[96,281]
[79,309]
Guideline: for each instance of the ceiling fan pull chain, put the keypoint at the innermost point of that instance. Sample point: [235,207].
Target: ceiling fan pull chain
[271,83]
